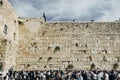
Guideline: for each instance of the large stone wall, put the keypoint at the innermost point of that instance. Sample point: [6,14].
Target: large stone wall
[77,43]
[32,43]
[8,35]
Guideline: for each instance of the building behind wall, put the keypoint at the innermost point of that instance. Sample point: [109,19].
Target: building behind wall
[33,44]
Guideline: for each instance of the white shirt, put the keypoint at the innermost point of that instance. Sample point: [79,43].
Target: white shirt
[118,75]
[106,76]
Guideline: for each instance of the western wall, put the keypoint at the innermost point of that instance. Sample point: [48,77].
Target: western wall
[8,36]
[34,44]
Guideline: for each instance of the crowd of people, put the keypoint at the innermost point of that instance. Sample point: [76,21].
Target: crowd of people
[62,75]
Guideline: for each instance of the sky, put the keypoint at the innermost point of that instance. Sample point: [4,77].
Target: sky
[68,10]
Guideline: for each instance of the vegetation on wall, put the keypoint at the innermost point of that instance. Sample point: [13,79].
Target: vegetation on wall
[92,66]
[28,65]
[70,66]
[115,66]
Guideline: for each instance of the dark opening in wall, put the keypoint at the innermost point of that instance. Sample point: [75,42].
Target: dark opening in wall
[90,58]
[14,35]
[35,47]
[1,2]
[40,58]
[26,20]
[57,48]
[76,44]
[20,23]
[87,26]
[118,59]
[86,45]
[1,55]
[5,29]
[61,29]
[82,51]
[49,48]
[49,58]
[43,33]
[104,51]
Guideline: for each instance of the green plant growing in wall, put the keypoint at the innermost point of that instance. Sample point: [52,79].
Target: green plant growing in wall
[92,66]
[28,65]
[115,66]
[70,66]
